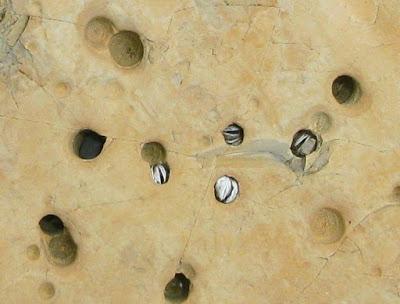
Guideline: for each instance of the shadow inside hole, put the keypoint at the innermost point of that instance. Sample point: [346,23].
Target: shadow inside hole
[88,144]
[346,89]
[177,290]
[51,224]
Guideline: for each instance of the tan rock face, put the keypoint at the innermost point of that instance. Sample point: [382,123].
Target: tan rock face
[323,228]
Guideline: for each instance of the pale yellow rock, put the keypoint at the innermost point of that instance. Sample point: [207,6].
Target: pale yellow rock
[268,65]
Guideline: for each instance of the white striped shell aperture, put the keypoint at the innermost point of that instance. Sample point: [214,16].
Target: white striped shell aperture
[233,134]
[226,189]
[160,173]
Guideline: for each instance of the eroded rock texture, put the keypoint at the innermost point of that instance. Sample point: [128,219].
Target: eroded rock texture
[319,227]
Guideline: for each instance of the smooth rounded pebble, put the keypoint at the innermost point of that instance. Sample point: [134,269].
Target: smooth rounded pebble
[126,48]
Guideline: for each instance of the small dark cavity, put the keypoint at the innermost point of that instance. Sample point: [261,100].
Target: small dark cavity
[177,290]
[233,134]
[51,224]
[345,89]
[304,143]
[88,144]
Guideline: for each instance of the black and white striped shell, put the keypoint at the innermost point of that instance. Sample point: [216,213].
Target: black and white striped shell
[160,173]
[233,134]
[304,143]
[226,189]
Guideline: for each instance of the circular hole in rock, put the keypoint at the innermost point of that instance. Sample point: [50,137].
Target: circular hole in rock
[51,224]
[88,144]
[177,290]
[304,143]
[346,89]
[233,134]
[126,48]
[226,189]
[160,173]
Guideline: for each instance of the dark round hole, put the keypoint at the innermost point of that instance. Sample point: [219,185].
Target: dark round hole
[304,143]
[51,224]
[345,89]
[88,144]
[177,290]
